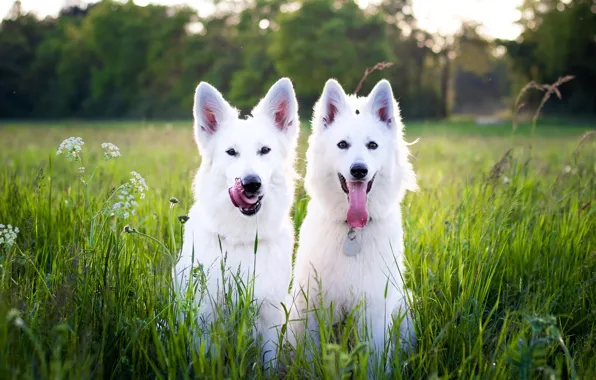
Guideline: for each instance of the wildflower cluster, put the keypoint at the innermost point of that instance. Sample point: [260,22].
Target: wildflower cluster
[72,147]
[127,196]
[14,316]
[568,169]
[139,184]
[8,235]
[110,151]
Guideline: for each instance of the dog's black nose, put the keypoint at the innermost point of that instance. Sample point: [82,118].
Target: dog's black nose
[358,170]
[251,183]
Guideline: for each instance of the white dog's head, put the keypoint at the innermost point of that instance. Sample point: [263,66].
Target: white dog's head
[357,159]
[244,160]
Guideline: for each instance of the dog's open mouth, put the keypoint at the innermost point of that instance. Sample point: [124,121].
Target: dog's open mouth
[251,210]
[248,204]
[344,185]
[357,192]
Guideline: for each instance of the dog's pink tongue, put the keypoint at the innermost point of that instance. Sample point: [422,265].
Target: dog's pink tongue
[357,213]
[237,195]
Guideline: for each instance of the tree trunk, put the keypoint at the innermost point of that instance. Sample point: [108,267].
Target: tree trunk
[445,79]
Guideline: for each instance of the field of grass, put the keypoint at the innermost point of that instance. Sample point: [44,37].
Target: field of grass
[500,246]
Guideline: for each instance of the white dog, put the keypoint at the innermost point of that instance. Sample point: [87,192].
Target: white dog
[244,187]
[351,241]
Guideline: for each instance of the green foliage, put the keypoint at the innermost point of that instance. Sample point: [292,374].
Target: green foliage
[499,247]
[117,59]
[480,79]
[558,40]
[343,36]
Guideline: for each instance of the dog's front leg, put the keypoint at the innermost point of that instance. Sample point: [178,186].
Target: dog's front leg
[268,324]
[377,329]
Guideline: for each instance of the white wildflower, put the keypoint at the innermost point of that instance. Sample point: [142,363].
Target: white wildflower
[506,180]
[12,315]
[139,182]
[82,170]
[567,168]
[72,147]
[18,321]
[128,196]
[110,151]
[8,235]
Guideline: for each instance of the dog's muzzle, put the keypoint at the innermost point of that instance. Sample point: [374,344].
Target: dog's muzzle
[246,194]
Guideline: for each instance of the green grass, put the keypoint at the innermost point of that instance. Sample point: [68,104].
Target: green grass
[501,257]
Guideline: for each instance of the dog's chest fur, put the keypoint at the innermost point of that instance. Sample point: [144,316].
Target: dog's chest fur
[271,264]
[345,279]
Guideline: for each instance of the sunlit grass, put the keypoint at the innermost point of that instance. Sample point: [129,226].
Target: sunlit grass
[496,244]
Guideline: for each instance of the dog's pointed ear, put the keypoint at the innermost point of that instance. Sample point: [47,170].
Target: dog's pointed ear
[381,103]
[210,111]
[281,105]
[331,103]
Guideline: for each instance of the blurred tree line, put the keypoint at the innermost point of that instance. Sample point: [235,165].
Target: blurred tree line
[559,38]
[116,59]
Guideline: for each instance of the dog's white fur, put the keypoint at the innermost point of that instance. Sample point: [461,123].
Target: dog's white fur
[320,258]
[213,217]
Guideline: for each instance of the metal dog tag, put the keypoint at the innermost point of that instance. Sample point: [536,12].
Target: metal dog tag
[352,244]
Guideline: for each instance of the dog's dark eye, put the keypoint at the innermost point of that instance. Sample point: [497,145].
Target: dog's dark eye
[232,152]
[372,145]
[343,145]
[264,150]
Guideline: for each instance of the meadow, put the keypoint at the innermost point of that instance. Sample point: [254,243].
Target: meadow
[500,247]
